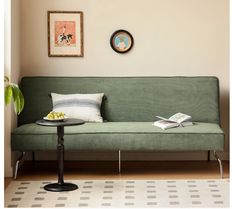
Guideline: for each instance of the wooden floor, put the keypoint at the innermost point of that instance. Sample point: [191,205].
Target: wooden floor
[47,170]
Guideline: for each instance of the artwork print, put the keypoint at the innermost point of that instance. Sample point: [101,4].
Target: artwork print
[65,34]
[121,41]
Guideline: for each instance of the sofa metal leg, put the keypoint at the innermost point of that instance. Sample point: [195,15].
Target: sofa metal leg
[220,164]
[19,160]
[119,161]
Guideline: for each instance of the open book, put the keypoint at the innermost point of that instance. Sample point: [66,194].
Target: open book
[178,119]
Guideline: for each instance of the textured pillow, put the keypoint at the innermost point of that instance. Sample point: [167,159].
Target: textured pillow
[80,106]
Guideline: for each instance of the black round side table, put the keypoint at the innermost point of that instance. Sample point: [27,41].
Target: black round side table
[60,185]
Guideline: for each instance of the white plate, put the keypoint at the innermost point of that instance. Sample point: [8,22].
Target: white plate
[55,120]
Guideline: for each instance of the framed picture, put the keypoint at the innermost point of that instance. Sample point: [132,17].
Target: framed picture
[121,41]
[65,34]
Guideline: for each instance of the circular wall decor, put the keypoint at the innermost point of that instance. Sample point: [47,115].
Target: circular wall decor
[121,41]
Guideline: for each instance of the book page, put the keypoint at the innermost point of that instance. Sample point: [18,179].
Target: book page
[180,117]
[163,124]
[162,118]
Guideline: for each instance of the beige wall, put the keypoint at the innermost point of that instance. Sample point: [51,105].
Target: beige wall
[172,37]
[12,70]
[7,72]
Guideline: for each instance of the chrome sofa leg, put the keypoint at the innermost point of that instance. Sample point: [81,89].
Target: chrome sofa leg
[220,164]
[19,160]
[119,161]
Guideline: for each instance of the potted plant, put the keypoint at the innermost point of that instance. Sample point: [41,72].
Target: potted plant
[12,91]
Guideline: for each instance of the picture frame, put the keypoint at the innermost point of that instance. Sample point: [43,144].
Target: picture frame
[65,33]
[121,41]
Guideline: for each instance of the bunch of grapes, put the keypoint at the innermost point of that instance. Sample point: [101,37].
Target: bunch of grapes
[56,115]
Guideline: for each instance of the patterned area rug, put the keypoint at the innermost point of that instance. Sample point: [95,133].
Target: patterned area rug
[122,193]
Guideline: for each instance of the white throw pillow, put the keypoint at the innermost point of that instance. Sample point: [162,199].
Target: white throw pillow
[80,106]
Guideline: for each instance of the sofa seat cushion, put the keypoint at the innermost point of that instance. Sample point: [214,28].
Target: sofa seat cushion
[120,136]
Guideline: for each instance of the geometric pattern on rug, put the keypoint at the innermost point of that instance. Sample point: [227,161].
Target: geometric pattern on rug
[122,193]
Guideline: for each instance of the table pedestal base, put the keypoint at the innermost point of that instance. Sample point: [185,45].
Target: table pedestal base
[56,187]
[60,185]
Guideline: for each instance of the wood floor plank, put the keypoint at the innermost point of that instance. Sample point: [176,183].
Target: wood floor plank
[130,170]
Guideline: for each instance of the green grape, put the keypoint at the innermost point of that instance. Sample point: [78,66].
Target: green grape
[55,115]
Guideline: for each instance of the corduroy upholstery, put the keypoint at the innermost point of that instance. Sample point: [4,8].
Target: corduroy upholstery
[120,136]
[129,109]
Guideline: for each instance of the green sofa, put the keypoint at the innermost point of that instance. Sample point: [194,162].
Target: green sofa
[129,109]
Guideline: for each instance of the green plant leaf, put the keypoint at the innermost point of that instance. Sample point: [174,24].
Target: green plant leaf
[15,98]
[21,98]
[8,94]
[18,99]
[12,91]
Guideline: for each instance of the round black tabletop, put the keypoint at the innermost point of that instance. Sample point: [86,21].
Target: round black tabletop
[65,122]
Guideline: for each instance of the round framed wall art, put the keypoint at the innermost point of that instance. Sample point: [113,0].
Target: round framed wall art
[121,41]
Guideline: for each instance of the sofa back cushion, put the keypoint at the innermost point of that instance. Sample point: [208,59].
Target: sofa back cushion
[128,98]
